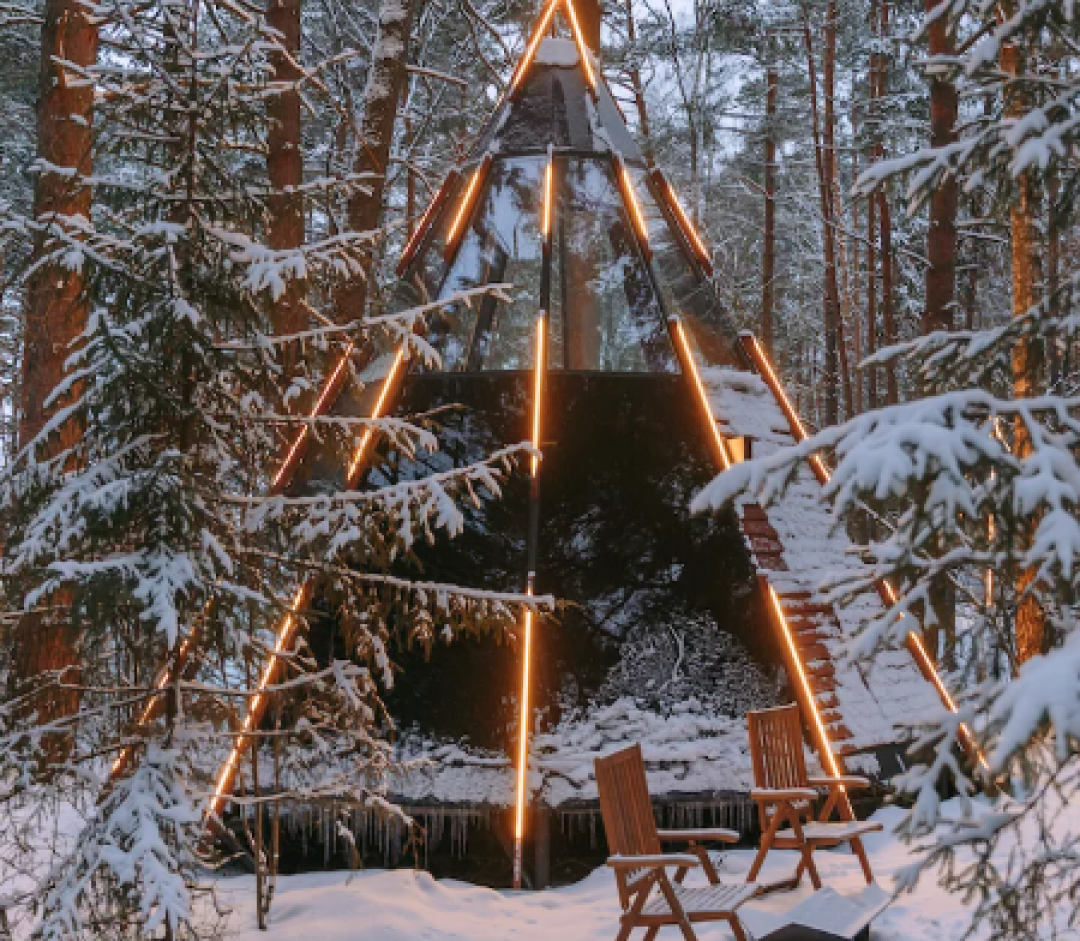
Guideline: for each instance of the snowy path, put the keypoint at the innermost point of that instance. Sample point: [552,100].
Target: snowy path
[405,905]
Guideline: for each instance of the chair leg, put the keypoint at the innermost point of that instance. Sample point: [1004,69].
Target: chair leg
[736,927]
[860,851]
[706,863]
[808,859]
[676,909]
[766,845]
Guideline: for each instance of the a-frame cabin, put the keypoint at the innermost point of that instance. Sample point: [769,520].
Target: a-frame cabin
[614,356]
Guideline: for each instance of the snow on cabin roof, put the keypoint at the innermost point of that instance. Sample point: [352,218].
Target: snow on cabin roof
[561,53]
[877,700]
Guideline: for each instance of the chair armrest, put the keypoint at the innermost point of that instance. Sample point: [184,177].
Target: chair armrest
[785,794]
[653,862]
[847,780]
[698,836]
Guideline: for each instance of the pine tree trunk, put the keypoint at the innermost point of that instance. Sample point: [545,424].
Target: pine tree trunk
[382,97]
[874,120]
[285,167]
[941,238]
[636,85]
[768,254]
[941,281]
[590,17]
[822,153]
[888,308]
[1031,626]
[56,305]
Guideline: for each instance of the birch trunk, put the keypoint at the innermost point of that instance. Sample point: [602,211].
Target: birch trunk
[382,97]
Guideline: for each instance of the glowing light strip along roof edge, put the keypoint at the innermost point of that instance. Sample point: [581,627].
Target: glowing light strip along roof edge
[930,670]
[703,397]
[804,681]
[583,49]
[291,621]
[689,231]
[626,184]
[533,45]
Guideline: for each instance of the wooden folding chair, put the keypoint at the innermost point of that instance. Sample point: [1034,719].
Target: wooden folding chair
[641,866]
[784,793]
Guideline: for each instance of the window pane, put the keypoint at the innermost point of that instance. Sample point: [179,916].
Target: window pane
[686,293]
[502,245]
[605,314]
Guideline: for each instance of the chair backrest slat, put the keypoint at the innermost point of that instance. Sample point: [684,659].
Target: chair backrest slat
[776,748]
[624,804]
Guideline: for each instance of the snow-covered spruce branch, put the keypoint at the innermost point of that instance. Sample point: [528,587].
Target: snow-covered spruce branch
[418,504]
[398,324]
[441,593]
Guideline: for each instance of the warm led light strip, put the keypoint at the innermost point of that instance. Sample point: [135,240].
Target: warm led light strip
[688,357]
[804,682]
[523,737]
[152,706]
[524,722]
[685,223]
[463,208]
[330,388]
[534,43]
[545,225]
[292,621]
[425,223]
[627,186]
[376,412]
[583,49]
[914,641]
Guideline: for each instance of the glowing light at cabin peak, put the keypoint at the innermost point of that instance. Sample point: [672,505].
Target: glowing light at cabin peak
[688,356]
[376,412]
[635,206]
[538,389]
[463,209]
[523,732]
[583,49]
[685,223]
[545,221]
[328,388]
[804,683]
[534,43]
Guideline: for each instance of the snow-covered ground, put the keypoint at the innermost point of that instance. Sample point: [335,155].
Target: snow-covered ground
[409,905]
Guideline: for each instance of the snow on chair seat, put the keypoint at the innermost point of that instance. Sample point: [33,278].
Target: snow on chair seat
[720,899]
[839,830]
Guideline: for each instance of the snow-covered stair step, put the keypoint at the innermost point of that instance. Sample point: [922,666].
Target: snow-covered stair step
[796,547]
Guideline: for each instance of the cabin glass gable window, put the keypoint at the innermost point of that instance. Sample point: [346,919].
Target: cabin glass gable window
[501,245]
[605,314]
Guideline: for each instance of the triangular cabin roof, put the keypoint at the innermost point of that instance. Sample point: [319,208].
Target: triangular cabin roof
[559,108]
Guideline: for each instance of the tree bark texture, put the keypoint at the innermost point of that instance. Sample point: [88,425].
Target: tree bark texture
[385,88]
[56,311]
[824,170]
[768,253]
[941,238]
[888,298]
[285,167]
[1027,365]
